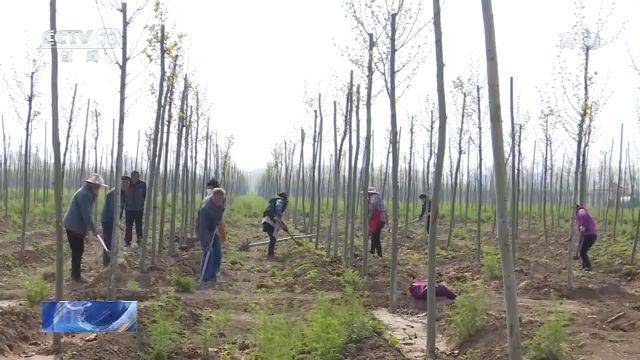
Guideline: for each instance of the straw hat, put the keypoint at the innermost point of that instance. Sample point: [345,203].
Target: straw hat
[372,190]
[96,179]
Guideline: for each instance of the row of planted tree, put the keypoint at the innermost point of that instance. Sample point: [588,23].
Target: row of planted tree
[180,152]
[512,195]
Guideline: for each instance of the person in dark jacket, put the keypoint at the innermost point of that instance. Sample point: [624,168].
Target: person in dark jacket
[134,208]
[426,209]
[78,220]
[272,221]
[108,213]
[211,234]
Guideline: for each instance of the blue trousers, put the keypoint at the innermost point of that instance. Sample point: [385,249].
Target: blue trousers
[211,255]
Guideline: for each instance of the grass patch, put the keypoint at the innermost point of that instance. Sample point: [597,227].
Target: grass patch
[36,290]
[324,332]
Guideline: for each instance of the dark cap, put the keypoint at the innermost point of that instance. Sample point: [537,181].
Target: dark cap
[135,173]
[213,183]
[423,196]
[125,178]
[283,195]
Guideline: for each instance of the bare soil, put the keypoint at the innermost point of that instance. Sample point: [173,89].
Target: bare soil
[284,285]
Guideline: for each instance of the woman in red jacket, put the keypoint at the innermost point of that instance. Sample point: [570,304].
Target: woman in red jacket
[377,219]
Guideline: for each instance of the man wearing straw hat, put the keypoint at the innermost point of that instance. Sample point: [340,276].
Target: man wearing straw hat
[377,219]
[78,220]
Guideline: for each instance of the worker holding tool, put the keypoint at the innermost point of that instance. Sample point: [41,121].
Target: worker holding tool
[377,219]
[588,234]
[272,221]
[211,234]
[109,213]
[426,209]
[78,220]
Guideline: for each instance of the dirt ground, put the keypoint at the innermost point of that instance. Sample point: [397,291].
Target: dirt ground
[248,280]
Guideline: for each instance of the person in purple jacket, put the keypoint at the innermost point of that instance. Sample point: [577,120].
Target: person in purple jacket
[588,233]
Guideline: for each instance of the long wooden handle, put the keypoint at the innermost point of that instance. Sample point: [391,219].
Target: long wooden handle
[102,243]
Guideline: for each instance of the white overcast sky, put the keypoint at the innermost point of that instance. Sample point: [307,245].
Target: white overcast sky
[257,60]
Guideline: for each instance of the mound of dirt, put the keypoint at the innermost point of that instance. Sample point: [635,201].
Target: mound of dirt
[604,291]
[19,327]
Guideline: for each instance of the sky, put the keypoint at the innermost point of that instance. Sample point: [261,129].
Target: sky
[258,61]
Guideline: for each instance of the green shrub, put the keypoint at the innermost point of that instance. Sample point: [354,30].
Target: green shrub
[491,263]
[133,285]
[36,290]
[468,314]
[352,281]
[551,340]
[278,337]
[214,323]
[183,283]
[164,332]
[164,337]
[332,326]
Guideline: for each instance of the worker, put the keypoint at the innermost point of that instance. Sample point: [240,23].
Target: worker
[211,234]
[377,219]
[134,208]
[426,209]
[78,221]
[272,221]
[108,215]
[588,230]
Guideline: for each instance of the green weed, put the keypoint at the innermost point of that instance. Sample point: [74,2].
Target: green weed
[551,340]
[133,285]
[214,322]
[183,283]
[468,314]
[278,337]
[491,263]
[164,332]
[36,290]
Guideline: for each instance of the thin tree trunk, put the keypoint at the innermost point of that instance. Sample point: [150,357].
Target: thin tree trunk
[26,170]
[508,273]
[367,163]
[57,164]
[432,234]
[617,210]
[514,191]
[84,144]
[4,156]
[394,168]
[176,171]
[354,182]
[152,164]
[457,171]
[479,219]
[119,158]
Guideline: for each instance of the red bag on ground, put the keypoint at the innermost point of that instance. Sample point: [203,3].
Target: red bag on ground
[418,290]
